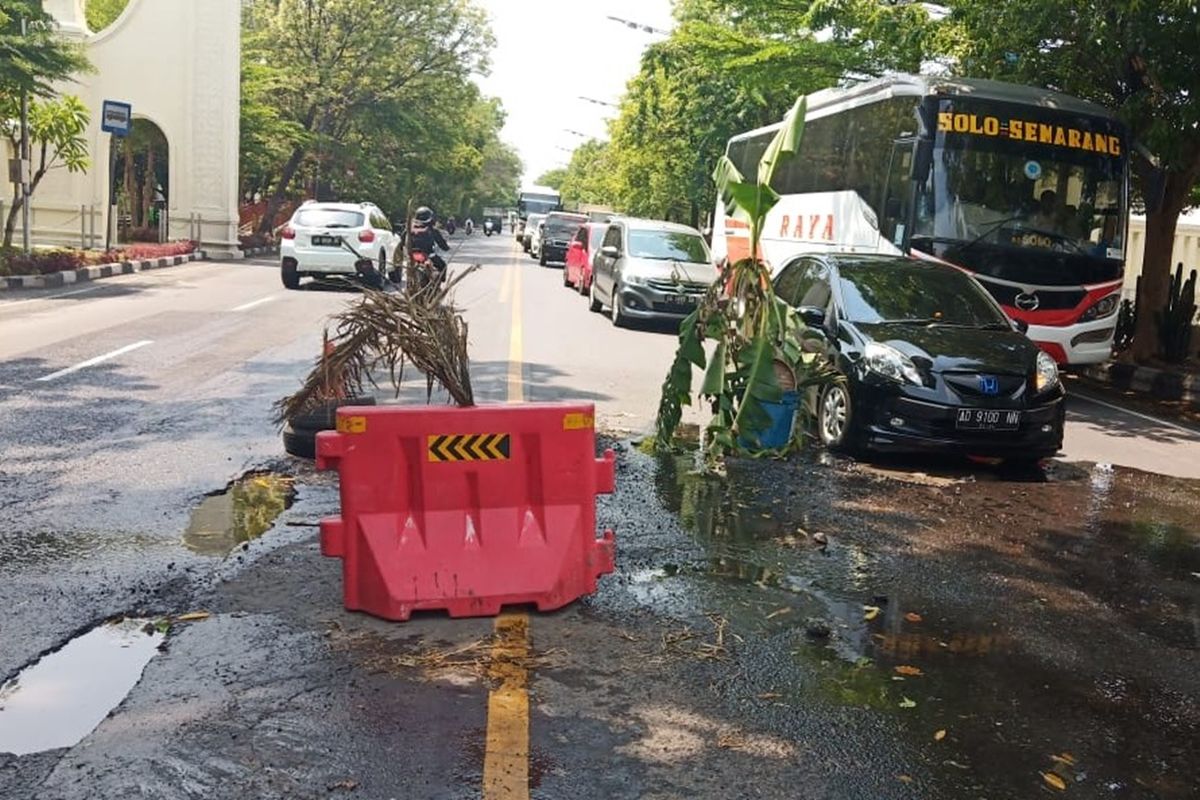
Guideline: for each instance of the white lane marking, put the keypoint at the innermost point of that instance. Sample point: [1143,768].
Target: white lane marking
[91,362]
[253,303]
[1138,414]
[49,297]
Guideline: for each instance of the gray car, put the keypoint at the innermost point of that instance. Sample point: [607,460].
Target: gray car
[647,269]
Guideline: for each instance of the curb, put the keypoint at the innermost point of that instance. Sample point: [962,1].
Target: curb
[255,252]
[1159,384]
[84,274]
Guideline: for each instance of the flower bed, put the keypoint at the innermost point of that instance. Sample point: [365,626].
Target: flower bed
[48,262]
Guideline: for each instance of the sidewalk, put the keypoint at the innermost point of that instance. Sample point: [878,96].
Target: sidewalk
[96,272]
[1159,384]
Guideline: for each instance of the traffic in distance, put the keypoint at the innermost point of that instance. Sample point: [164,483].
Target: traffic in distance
[950,244]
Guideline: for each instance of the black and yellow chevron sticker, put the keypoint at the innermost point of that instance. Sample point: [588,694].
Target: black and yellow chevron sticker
[469,447]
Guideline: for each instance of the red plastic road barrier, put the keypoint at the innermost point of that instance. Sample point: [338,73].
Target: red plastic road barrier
[466,509]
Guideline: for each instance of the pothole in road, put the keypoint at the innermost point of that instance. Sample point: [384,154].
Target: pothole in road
[61,698]
[244,511]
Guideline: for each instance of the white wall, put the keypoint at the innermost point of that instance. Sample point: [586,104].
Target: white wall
[1187,248]
[178,63]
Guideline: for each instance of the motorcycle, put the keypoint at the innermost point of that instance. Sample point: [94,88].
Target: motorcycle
[487,227]
[423,274]
[450,226]
[469,227]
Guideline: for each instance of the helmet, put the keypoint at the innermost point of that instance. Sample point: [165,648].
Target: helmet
[424,215]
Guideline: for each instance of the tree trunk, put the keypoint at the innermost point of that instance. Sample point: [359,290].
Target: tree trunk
[277,196]
[1156,266]
[10,223]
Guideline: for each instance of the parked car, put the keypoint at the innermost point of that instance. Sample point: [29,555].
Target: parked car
[647,269]
[313,243]
[584,247]
[535,240]
[559,229]
[531,225]
[930,362]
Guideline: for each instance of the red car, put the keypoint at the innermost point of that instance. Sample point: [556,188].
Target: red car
[578,272]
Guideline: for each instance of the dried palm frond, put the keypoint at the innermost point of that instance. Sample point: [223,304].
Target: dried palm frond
[387,332]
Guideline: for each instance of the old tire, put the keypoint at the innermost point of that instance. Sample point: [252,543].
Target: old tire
[302,443]
[324,416]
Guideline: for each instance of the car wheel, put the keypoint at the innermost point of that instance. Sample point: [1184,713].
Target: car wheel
[583,285]
[835,419]
[594,304]
[382,261]
[567,278]
[618,319]
[290,276]
[541,258]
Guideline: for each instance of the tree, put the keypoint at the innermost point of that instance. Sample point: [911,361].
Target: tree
[589,175]
[102,13]
[552,179]
[339,63]
[34,62]
[1137,58]
[56,135]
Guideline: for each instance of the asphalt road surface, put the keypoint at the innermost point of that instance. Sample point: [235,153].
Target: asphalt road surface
[693,672]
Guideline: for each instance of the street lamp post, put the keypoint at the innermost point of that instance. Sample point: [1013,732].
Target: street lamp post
[596,102]
[638,26]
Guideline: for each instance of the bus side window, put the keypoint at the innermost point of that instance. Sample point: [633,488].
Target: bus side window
[899,191]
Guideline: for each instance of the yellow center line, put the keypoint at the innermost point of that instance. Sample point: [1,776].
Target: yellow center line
[506,753]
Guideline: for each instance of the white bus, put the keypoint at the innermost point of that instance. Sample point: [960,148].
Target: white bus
[1027,189]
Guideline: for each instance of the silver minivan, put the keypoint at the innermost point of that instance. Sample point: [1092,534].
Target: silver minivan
[647,269]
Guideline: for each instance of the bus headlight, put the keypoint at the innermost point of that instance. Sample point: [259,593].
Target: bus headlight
[1047,373]
[889,362]
[1104,307]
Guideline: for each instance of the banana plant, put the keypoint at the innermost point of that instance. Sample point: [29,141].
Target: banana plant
[754,335]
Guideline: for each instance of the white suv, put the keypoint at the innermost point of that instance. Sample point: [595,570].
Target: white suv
[312,241]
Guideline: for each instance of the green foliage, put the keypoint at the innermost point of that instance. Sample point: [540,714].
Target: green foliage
[552,179]
[755,334]
[57,139]
[36,61]
[1176,320]
[102,13]
[589,177]
[381,104]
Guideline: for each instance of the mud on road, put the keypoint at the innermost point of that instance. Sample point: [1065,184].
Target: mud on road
[812,628]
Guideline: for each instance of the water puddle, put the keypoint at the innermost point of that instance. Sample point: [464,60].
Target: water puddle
[61,698]
[242,512]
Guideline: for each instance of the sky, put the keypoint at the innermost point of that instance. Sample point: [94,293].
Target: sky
[548,53]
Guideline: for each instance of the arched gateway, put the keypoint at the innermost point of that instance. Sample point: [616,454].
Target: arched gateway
[177,62]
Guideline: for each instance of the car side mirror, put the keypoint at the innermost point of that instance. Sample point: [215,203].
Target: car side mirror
[813,316]
[1020,325]
[608,251]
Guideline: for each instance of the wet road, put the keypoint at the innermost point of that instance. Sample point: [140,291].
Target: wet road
[1050,628]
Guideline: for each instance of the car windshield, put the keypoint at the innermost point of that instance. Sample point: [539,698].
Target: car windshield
[563,227]
[328,218]
[905,291]
[668,245]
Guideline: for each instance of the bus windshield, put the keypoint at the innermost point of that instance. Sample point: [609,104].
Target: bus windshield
[538,203]
[1035,186]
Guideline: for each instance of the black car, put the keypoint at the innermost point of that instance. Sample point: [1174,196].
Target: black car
[560,229]
[931,362]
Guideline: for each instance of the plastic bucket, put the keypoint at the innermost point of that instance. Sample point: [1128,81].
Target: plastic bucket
[782,415]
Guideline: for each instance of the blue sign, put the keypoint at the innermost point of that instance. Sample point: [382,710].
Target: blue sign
[989,384]
[116,118]
[1033,170]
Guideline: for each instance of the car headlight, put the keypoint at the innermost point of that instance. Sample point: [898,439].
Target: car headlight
[890,363]
[1104,307]
[1047,372]
[633,280]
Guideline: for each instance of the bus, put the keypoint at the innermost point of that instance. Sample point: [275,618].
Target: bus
[535,200]
[1027,189]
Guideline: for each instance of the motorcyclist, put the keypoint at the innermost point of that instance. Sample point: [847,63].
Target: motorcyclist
[424,238]
[469,226]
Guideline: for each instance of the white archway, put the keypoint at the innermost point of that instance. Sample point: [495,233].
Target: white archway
[178,63]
